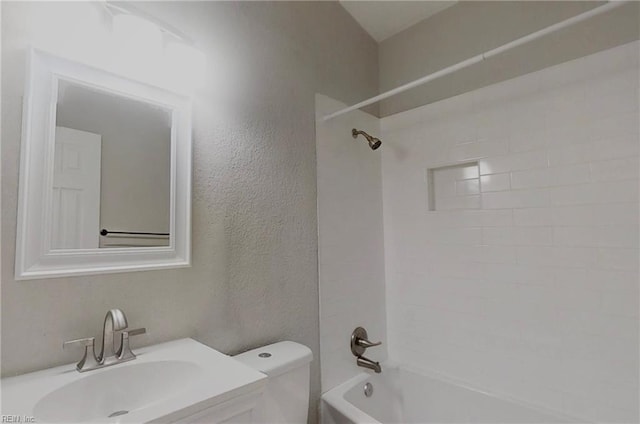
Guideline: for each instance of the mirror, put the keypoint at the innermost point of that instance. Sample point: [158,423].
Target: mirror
[111,171]
[105,173]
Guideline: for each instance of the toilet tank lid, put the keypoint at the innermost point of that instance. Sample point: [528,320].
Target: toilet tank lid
[277,358]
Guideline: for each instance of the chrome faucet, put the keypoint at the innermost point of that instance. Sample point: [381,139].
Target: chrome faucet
[359,344]
[114,321]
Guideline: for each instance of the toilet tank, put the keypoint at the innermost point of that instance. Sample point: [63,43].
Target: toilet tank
[287,366]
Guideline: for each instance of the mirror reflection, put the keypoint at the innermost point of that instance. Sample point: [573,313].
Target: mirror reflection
[112,171]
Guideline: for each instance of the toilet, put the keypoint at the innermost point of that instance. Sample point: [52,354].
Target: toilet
[287,366]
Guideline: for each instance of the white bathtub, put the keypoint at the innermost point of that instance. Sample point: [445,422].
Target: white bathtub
[402,396]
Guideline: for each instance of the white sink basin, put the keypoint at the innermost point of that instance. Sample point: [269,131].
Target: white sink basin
[166,382]
[117,391]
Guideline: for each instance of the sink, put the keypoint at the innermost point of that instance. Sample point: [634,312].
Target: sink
[166,383]
[116,391]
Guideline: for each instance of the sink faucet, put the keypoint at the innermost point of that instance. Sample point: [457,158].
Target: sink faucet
[114,321]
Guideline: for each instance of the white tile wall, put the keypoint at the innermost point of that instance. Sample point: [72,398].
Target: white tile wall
[455,187]
[350,241]
[536,293]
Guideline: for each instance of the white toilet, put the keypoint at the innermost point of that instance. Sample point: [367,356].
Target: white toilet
[286,364]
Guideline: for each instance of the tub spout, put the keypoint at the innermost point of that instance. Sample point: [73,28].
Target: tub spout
[368,363]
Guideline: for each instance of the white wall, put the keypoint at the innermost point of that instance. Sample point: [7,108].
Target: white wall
[469,28]
[253,278]
[534,295]
[350,240]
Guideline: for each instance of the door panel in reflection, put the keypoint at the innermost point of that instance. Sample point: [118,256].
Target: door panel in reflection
[76,189]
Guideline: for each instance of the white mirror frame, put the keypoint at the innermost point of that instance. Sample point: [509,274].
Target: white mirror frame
[34,257]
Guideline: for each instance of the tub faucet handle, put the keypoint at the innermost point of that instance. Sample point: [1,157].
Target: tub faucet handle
[366,343]
[360,342]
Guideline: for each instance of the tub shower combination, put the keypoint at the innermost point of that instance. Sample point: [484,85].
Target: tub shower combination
[398,393]
[402,395]
[405,395]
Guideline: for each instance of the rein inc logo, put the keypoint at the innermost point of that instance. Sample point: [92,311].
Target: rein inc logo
[17,419]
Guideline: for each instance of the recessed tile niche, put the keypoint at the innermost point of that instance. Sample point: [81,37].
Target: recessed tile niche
[454,187]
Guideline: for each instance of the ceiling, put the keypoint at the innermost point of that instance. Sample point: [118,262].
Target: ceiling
[382,19]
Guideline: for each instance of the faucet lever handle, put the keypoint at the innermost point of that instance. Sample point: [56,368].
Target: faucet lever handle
[88,360]
[86,342]
[125,353]
[136,331]
[360,342]
[366,343]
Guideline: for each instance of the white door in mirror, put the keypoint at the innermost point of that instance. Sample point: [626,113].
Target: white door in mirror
[76,190]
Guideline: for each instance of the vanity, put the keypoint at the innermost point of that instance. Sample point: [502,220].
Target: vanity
[181,381]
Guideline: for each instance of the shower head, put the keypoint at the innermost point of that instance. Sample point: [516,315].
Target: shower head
[374,142]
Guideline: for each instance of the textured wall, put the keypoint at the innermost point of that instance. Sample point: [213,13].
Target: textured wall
[350,241]
[527,284]
[473,27]
[254,277]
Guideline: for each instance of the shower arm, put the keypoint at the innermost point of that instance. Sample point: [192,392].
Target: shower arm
[355,133]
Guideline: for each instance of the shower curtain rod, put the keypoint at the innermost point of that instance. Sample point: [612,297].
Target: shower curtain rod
[612,4]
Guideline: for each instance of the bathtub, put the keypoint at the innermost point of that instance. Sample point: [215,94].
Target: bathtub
[404,396]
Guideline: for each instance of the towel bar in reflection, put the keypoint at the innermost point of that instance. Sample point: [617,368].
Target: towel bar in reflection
[106,233]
